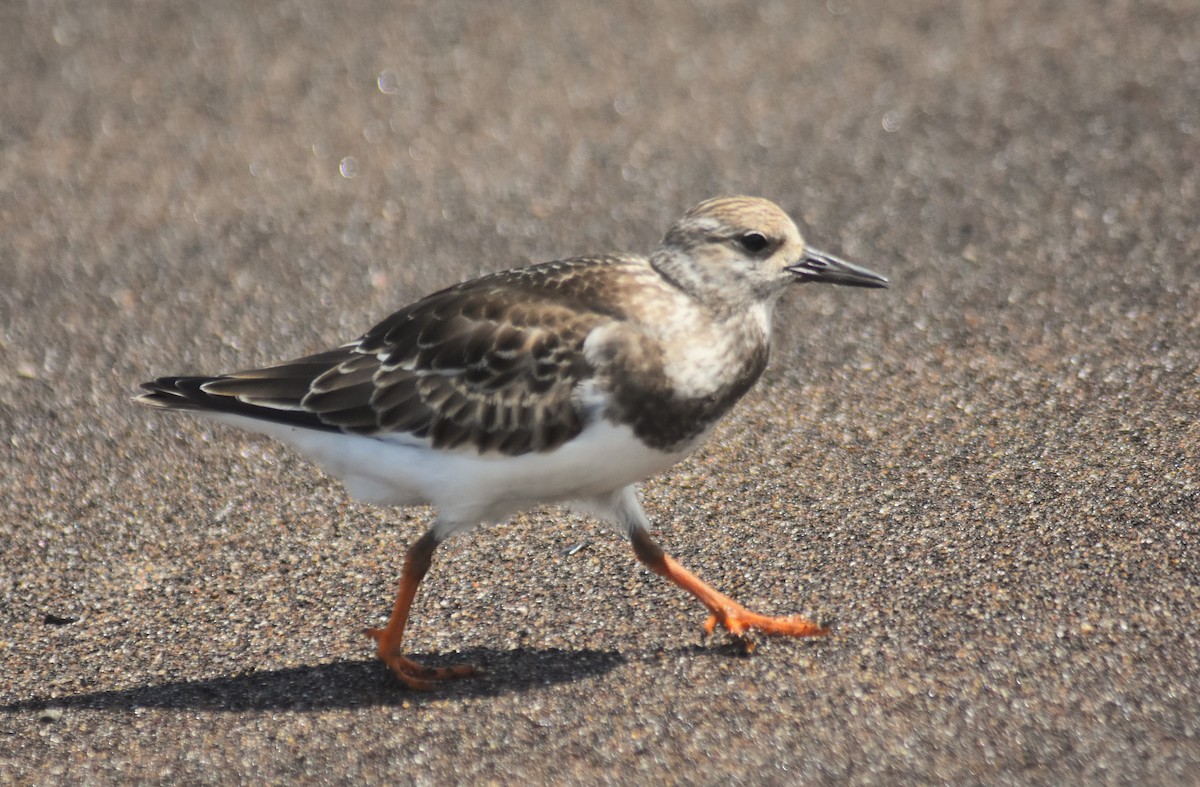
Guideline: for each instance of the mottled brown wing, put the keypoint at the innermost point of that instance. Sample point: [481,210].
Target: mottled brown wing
[491,364]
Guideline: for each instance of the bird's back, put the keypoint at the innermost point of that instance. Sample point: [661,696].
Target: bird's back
[491,364]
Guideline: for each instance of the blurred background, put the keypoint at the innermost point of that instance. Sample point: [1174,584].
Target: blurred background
[985,476]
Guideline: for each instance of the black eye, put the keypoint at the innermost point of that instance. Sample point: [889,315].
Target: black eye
[754,242]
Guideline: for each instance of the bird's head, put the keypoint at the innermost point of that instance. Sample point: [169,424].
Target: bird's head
[746,249]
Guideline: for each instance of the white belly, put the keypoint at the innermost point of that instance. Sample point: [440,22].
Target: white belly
[468,488]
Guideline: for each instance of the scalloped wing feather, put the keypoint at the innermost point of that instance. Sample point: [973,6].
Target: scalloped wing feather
[490,365]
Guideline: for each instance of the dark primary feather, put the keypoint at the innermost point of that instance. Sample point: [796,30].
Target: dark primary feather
[491,363]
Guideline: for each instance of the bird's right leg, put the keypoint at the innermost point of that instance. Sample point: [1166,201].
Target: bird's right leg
[735,618]
[723,610]
[410,673]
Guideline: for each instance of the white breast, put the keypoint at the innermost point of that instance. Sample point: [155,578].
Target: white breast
[699,363]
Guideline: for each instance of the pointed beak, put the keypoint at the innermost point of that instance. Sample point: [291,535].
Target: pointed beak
[817,266]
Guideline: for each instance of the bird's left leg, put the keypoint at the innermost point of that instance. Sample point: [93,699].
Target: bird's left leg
[724,611]
[416,676]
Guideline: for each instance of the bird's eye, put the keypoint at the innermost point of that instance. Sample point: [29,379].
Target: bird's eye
[754,242]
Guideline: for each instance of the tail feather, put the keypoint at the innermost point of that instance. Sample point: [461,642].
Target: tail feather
[192,394]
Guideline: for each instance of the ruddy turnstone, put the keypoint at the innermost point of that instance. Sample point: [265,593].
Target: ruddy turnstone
[568,381]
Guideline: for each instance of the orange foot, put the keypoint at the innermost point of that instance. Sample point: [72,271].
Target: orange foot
[730,614]
[737,620]
[417,676]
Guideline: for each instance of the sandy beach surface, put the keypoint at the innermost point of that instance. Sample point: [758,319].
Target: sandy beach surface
[987,478]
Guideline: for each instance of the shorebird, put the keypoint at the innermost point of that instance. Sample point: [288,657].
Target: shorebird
[564,382]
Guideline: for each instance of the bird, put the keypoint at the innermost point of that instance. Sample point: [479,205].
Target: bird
[565,382]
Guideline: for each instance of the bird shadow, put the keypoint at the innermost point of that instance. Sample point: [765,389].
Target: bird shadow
[341,685]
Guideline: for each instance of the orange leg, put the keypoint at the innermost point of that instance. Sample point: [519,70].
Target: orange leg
[409,672]
[730,614]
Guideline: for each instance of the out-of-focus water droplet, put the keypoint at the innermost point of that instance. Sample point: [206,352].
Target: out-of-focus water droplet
[65,31]
[389,83]
[373,131]
[348,167]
